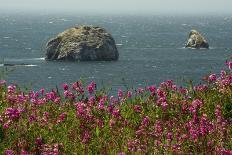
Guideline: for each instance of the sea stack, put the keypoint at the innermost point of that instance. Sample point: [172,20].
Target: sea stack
[84,43]
[196,40]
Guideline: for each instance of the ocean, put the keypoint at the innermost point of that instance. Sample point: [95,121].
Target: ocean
[151,50]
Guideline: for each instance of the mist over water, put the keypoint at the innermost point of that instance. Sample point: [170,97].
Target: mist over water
[168,7]
[150,47]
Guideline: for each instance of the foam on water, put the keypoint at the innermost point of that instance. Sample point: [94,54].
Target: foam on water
[23,59]
[17,65]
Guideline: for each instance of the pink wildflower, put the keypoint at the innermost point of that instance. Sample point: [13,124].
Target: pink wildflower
[65,86]
[229,64]
[129,94]
[42,91]
[91,87]
[212,78]
[145,121]
[137,108]
[112,123]
[9,152]
[2,82]
[7,124]
[62,117]
[120,93]
[139,91]
[152,88]
[38,141]
[23,152]
[11,89]
[85,137]
[116,113]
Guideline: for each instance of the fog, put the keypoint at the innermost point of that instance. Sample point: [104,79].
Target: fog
[120,6]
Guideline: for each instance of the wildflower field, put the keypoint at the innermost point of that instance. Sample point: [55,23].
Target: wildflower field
[164,119]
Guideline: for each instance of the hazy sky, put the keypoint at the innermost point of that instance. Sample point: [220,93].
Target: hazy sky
[120,6]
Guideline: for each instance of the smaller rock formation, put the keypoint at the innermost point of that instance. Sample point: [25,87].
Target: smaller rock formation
[196,40]
[84,43]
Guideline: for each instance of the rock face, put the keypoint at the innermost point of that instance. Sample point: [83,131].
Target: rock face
[84,43]
[196,40]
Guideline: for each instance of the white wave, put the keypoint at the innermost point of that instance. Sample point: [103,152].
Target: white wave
[38,58]
[63,19]
[23,59]
[17,65]
[30,65]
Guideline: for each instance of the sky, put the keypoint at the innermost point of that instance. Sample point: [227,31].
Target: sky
[120,6]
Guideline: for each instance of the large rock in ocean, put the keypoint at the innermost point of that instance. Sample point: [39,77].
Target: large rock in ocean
[196,40]
[84,43]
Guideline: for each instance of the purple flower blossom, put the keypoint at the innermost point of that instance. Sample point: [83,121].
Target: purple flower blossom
[120,93]
[85,137]
[201,88]
[183,91]
[12,113]
[116,113]
[113,100]
[80,109]
[164,105]
[195,105]
[42,91]
[11,89]
[137,108]
[229,64]
[212,78]
[2,83]
[169,136]
[91,87]
[62,117]
[112,123]
[77,86]
[65,86]
[146,121]
[57,100]
[7,124]
[161,93]
[101,104]
[69,95]
[9,152]
[162,101]
[32,118]
[91,101]
[23,152]
[152,88]
[129,94]
[50,96]
[38,141]
[139,91]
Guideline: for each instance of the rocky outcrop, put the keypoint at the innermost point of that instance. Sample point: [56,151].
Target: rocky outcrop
[84,43]
[196,40]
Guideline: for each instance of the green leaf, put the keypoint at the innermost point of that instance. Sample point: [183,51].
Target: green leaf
[97,131]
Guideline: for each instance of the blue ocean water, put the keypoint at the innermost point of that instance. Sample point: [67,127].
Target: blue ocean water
[150,47]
